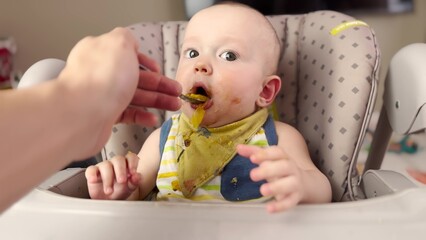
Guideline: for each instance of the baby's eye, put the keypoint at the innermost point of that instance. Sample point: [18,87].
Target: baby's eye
[191,53]
[228,56]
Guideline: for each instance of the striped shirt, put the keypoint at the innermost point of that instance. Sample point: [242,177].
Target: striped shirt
[167,179]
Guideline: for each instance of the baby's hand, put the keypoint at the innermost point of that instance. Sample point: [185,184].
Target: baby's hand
[113,179]
[283,176]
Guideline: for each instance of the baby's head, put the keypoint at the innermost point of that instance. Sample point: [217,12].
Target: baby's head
[230,53]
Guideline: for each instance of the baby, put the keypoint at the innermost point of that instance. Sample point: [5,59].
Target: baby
[226,148]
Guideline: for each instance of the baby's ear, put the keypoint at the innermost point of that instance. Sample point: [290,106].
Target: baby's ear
[269,92]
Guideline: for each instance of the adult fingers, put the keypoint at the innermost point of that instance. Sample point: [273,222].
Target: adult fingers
[138,116]
[153,81]
[148,62]
[124,33]
[148,98]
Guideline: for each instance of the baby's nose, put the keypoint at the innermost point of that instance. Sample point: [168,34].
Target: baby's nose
[203,68]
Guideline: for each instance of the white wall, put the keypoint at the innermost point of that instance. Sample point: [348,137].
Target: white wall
[49,28]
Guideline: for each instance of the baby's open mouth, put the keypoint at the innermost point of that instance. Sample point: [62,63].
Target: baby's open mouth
[198,96]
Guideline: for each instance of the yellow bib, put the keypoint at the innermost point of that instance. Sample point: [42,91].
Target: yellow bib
[204,152]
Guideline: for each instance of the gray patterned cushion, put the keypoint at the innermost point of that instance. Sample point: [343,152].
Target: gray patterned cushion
[328,93]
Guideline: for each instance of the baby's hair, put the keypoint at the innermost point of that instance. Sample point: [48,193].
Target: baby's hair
[268,23]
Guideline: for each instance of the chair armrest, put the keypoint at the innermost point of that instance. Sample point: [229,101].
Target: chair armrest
[70,182]
[377,183]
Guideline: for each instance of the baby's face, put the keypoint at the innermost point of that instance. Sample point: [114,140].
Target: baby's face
[225,56]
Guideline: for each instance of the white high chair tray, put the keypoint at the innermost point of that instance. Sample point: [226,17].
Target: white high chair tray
[43,214]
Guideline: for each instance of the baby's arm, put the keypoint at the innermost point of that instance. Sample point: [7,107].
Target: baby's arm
[126,177]
[149,164]
[290,173]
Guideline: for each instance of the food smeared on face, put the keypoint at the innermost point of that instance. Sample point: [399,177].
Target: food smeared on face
[236,101]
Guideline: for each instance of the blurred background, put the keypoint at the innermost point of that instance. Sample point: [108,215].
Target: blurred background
[50,28]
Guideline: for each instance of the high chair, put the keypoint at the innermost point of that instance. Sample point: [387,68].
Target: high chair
[329,67]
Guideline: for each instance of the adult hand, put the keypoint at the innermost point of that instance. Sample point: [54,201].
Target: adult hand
[103,73]
[71,118]
[154,90]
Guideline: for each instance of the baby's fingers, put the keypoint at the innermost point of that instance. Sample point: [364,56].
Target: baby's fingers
[281,187]
[133,182]
[92,174]
[247,150]
[258,155]
[106,171]
[270,170]
[287,193]
[285,203]
[132,162]
[95,182]
[119,164]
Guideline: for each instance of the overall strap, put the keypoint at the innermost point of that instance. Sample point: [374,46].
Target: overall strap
[236,184]
[164,132]
[270,131]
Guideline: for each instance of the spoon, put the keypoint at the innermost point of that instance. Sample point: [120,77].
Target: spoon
[192,100]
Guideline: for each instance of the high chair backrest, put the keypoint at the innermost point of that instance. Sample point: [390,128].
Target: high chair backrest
[329,68]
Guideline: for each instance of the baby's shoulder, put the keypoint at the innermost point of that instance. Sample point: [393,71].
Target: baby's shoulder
[154,137]
[286,130]
[282,125]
